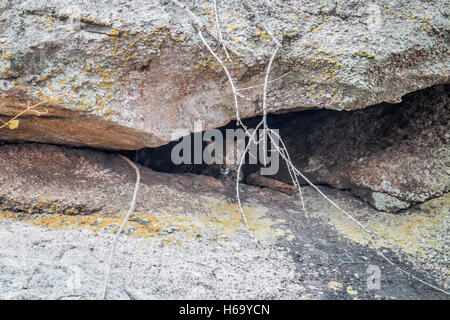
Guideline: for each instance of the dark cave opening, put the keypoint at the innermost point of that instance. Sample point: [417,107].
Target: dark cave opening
[361,132]
[398,153]
[391,155]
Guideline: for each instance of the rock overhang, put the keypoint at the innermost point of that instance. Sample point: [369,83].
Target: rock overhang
[139,73]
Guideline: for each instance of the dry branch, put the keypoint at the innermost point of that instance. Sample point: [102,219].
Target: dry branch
[293,171]
[202,27]
[258,180]
[125,220]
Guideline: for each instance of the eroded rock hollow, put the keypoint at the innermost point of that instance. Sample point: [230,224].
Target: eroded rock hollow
[391,155]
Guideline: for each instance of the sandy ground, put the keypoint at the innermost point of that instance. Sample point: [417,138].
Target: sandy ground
[60,208]
[310,261]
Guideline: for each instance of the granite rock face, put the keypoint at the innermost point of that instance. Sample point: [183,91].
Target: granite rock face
[60,209]
[136,74]
[392,155]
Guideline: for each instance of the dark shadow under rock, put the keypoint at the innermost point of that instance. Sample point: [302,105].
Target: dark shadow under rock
[392,155]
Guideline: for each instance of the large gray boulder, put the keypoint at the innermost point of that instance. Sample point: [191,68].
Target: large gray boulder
[392,155]
[138,74]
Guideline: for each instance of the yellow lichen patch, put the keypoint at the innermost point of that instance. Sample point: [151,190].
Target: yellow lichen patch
[336,96]
[89,20]
[262,34]
[366,54]
[92,222]
[230,27]
[207,10]
[114,32]
[418,232]
[291,33]
[328,64]
[44,22]
[5,62]
[228,218]
[5,215]
[351,291]
[207,62]
[336,286]
[217,218]
[7,55]
[42,78]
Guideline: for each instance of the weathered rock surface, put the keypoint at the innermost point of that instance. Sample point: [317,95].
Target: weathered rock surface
[60,206]
[391,155]
[138,74]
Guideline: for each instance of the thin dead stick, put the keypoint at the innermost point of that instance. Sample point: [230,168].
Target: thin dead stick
[258,180]
[230,79]
[262,84]
[290,170]
[264,104]
[293,171]
[28,109]
[132,206]
[202,26]
[408,273]
[364,229]
[298,172]
[241,161]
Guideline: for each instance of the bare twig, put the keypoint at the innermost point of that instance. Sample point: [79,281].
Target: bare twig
[31,108]
[201,26]
[262,85]
[260,181]
[365,231]
[293,171]
[241,161]
[264,104]
[131,210]
[233,87]
[28,109]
